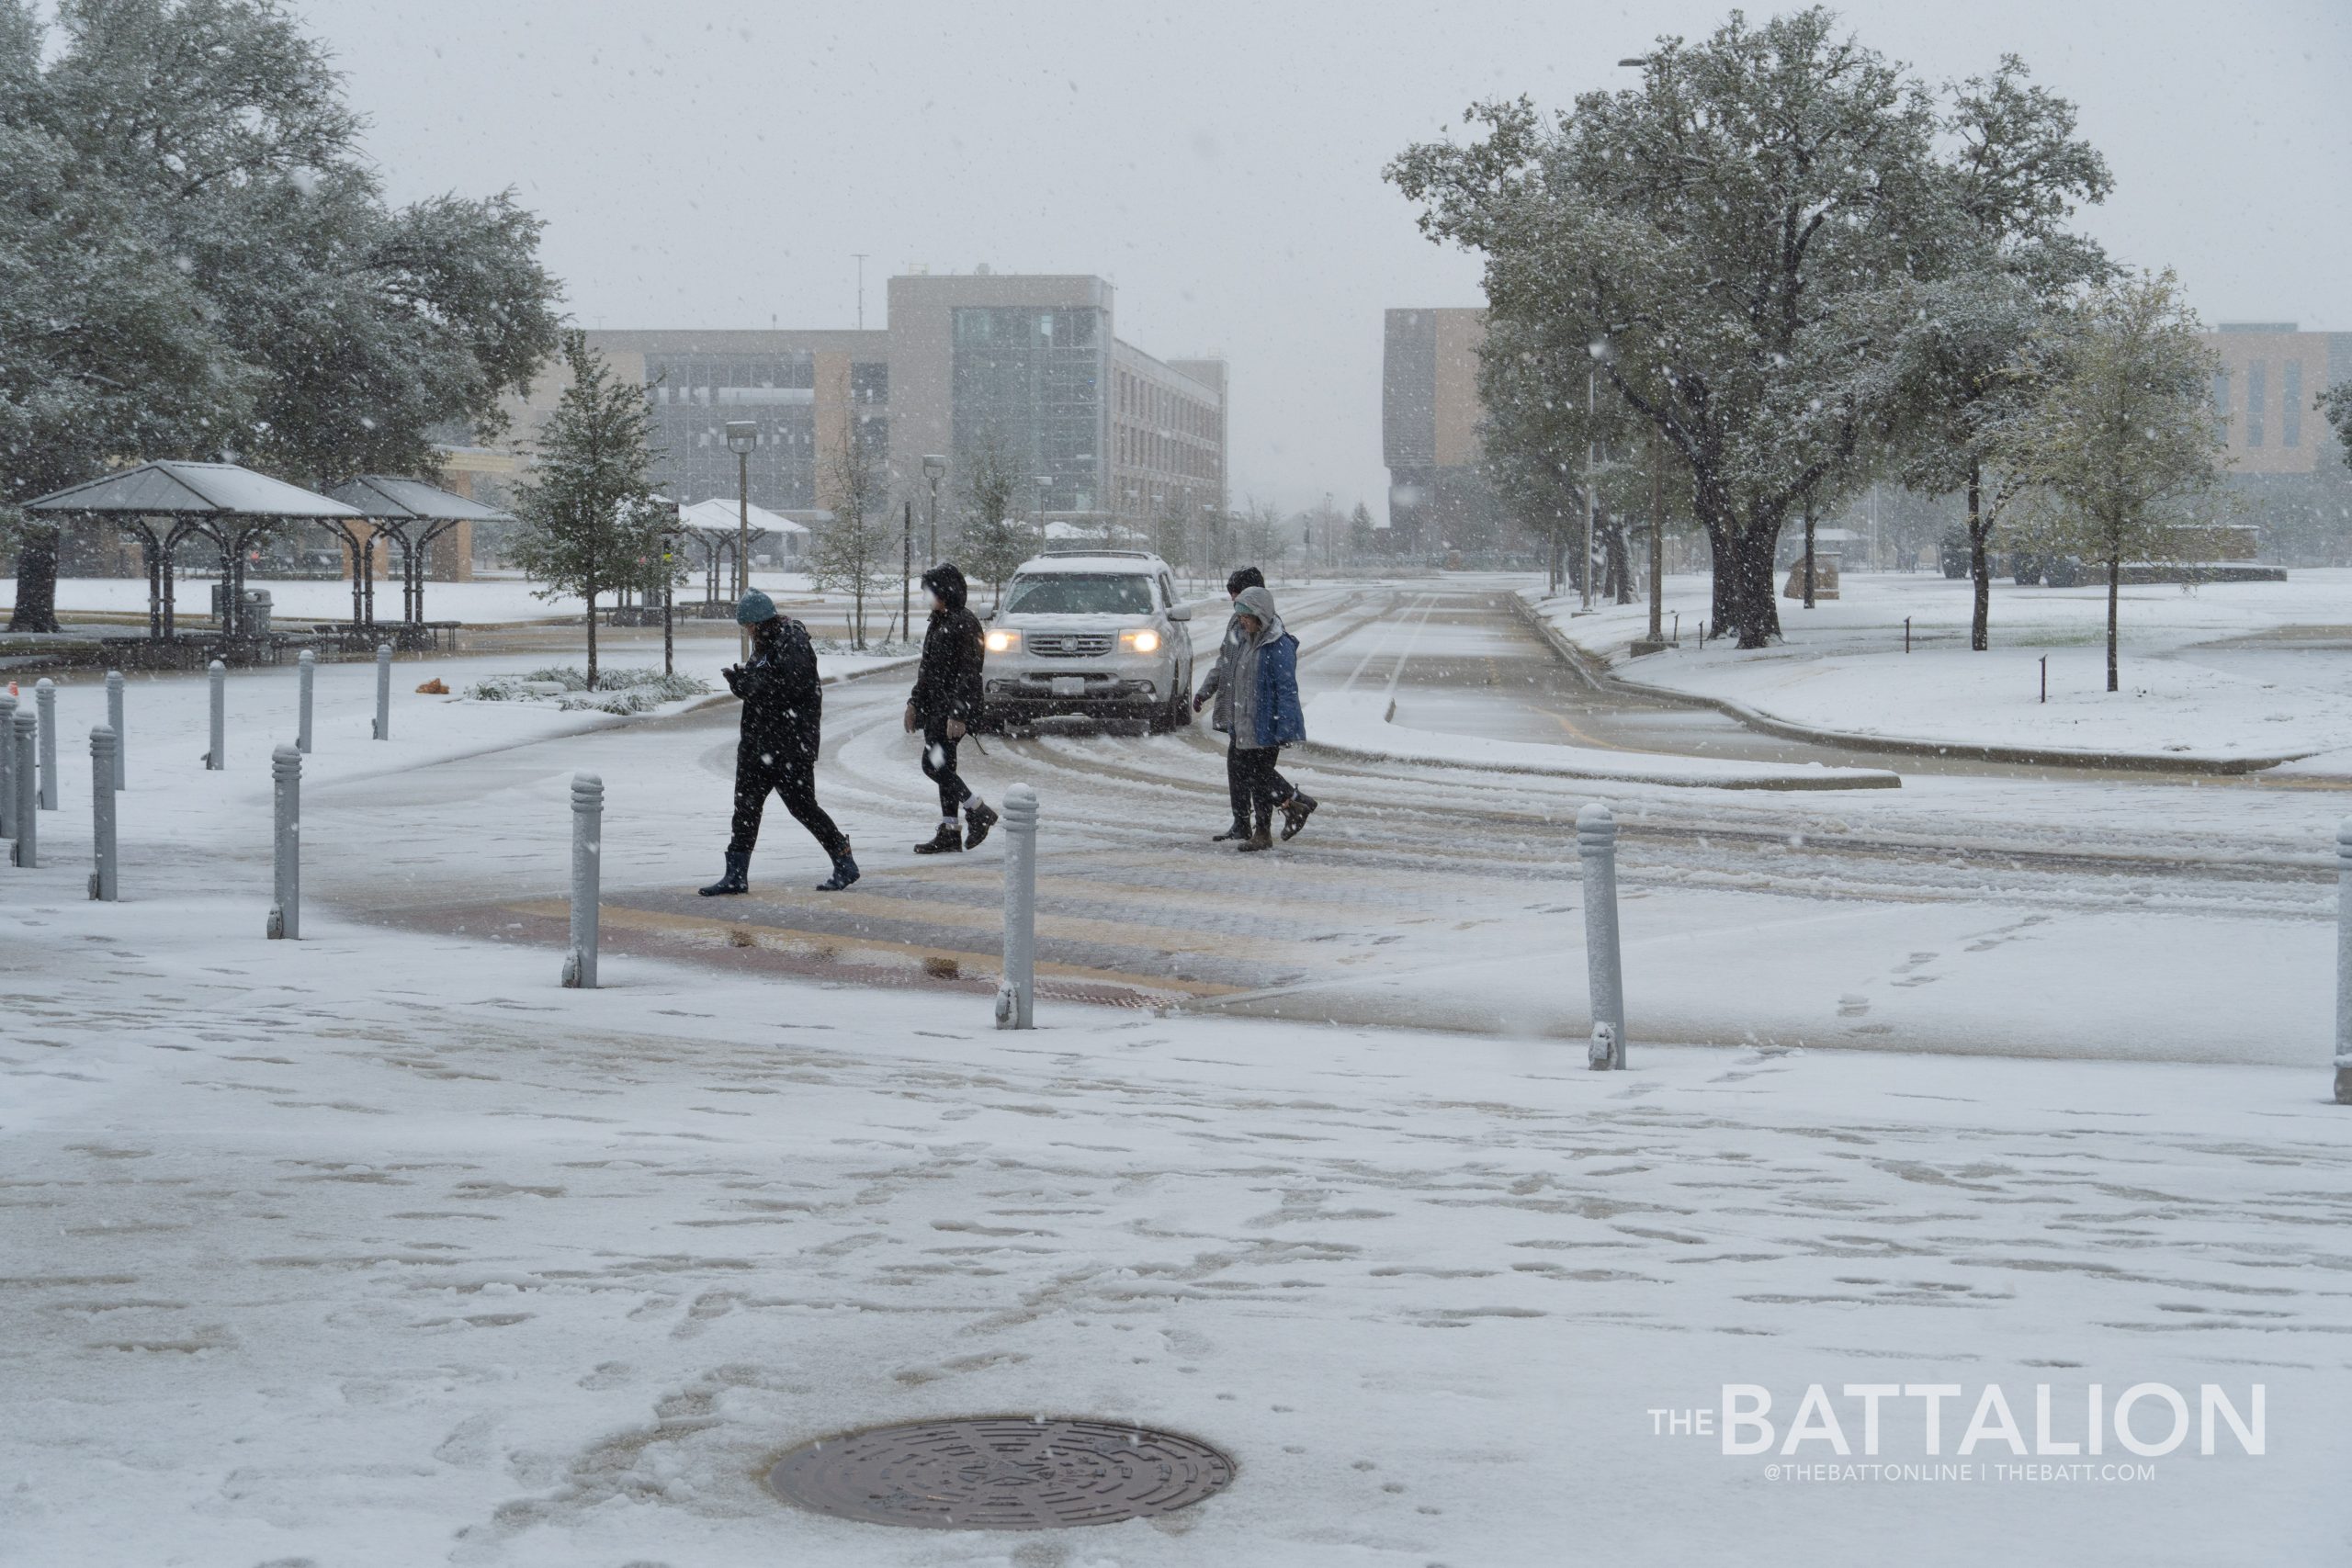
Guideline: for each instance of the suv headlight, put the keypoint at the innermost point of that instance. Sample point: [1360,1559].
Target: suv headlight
[1142,640]
[1002,641]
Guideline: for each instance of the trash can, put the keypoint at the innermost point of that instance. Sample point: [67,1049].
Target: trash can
[257,616]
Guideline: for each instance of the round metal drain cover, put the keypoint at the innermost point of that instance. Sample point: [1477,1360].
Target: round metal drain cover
[1006,1474]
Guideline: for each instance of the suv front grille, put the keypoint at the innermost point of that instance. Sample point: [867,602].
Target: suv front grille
[1068,645]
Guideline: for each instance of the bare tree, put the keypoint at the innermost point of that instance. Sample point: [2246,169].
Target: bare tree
[852,554]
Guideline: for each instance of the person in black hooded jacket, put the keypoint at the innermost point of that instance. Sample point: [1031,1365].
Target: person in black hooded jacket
[945,705]
[784,710]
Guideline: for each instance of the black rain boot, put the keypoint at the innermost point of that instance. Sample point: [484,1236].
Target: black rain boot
[1296,811]
[845,872]
[978,821]
[736,880]
[1239,829]
[1261,835]
[946,841]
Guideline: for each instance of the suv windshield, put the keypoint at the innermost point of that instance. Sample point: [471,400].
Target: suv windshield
[1079,593]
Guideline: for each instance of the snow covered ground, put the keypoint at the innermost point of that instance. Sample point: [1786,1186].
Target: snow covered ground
[1843,670]
[380,1248]
[489,600]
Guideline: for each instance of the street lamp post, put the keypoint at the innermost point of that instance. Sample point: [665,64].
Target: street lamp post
[934,469]
[742,434]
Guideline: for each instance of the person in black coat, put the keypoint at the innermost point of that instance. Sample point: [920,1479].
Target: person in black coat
[945,705]
[784,710]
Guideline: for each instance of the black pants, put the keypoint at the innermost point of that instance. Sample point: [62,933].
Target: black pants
[1237,776]
[1258,788]
[939,766]
[793,778]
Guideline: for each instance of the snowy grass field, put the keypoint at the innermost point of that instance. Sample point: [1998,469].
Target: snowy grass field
[1842,666]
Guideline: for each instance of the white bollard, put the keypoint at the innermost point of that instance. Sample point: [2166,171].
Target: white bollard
[28,849]
[2344,962]
[384,691]
[306,668]
[45,701]
[8,766]
[587,846]
[102,836]
[286,844]
[1016,994]
[114,722]
[217,758]
[1596,848]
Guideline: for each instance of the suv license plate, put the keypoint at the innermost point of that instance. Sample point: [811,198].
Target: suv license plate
[1069,685]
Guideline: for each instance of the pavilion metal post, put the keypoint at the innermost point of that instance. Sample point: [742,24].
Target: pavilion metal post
[102,885]
[114,722]
[384,691]
[45,703]
[306,669]
[1016,994]
[8,766]
[218,756]
[27,852]
[286,846]
[587,847]
[1596,848]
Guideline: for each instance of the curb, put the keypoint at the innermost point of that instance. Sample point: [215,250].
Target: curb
[1601,677]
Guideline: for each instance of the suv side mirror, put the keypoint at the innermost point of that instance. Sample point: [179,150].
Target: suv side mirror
[1180,612]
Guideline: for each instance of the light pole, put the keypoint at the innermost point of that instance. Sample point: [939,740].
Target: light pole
[934,469]
[742,434]
[1043,481]
[1599,349]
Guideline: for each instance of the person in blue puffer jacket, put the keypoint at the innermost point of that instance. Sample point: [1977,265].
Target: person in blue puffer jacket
[1266,716]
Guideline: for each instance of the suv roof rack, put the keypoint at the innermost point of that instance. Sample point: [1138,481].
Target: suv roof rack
[1092,550]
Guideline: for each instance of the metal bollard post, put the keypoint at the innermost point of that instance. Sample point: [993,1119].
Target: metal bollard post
[306,668]
[114,722]
[384,691]
[285,845]
[102,838]
[217,758]
[587,848]
[45,700]
[27,853]
[1016,994]
[1596,848]
[2344,962]
[8,766]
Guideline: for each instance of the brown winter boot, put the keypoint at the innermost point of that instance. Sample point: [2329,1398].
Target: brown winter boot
[1261,838]
[1296,811]
[948,841]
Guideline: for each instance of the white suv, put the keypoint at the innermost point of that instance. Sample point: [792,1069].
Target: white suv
[1098,634]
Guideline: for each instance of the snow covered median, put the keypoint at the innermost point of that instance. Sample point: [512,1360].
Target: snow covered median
[1360,723]
[2212,679]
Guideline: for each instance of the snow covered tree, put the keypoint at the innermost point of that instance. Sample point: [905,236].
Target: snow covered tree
[1960,363]
[995,541]
[2337,404]
[260,299]
[1171,538]
[586,519]
[1363,537]
[2119,436]
[854,553]
[1725,238]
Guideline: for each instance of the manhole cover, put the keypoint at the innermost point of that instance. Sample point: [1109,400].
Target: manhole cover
[1009,1473]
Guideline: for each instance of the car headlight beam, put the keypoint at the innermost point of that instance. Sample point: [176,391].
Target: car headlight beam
[1002,641]
[1143,642]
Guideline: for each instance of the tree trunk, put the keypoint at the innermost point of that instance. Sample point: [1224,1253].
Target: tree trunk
[1620,561]
[2115,576]
[36,581]
[1808,553]
[1751,608]
[1980,566]
[591,639]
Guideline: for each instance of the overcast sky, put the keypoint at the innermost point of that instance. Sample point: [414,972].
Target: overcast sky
[707,165]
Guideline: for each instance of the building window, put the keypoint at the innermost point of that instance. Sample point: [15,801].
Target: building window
[2258,391]
[869,383]
[2221,404]
[2290,409]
